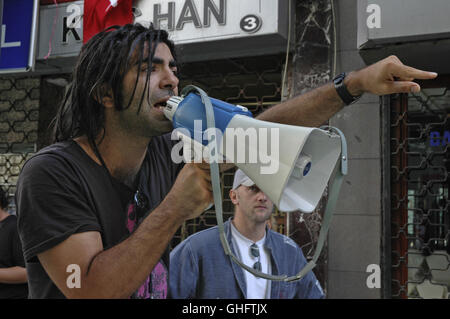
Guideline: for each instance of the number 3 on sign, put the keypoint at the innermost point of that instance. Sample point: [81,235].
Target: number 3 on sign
[251,23]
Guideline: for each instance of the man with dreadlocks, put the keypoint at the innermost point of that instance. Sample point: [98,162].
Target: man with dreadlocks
[97,209]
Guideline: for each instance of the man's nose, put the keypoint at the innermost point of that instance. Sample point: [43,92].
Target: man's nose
[170,80]
[262,197]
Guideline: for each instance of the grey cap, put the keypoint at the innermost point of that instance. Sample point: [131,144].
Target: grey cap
[241,179]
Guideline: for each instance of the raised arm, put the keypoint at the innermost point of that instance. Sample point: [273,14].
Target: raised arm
[312,109]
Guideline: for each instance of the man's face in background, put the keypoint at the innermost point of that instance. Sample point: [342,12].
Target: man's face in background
[252,203]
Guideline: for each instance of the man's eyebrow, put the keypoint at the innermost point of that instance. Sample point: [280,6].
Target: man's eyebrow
[156,60]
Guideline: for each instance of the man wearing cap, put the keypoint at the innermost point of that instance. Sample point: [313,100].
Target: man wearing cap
[200,268]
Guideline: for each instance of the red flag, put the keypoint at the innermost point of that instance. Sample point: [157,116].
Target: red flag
[101,14]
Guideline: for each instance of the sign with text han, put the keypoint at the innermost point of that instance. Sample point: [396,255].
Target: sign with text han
[202,25]
[18,35]
[191,21]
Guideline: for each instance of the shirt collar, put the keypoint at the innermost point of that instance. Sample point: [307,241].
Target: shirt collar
[236,233]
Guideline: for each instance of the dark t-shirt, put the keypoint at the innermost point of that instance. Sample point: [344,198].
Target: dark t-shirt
[62,191]
[11,256]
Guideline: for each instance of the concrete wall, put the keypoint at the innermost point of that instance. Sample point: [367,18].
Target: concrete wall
[354,237]
[355,234]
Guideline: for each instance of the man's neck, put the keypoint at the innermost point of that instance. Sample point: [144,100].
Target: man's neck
[253,231]
[123,157]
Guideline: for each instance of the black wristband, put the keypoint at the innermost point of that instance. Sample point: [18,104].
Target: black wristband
[342,91]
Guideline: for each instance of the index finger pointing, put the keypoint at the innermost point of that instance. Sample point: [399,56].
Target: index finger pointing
[404,71]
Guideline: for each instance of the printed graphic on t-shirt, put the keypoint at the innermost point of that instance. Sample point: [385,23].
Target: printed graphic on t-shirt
[155,286]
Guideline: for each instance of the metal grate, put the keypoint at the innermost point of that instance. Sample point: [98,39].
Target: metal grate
[420,218]
[19,110]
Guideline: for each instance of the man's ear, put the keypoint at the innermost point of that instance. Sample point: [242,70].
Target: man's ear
[105,96]
[234,197]
[108,99]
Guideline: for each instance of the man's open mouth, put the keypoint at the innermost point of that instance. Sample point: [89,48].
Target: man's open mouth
[161,104]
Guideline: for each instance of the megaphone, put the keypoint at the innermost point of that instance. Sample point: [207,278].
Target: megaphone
[290,164]
[304,160]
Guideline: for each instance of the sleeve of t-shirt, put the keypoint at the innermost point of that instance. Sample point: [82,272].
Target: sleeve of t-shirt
[51,204]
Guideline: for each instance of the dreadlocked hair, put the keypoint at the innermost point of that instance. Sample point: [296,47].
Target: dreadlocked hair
[101,67]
